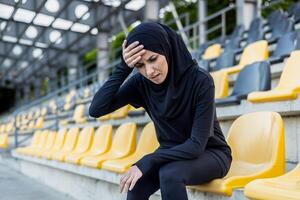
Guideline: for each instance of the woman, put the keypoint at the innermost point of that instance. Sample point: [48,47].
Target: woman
[179,98]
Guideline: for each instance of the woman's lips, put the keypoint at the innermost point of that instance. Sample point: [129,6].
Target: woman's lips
[154,76]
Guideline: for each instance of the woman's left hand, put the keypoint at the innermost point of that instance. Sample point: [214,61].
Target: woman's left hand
[129,179]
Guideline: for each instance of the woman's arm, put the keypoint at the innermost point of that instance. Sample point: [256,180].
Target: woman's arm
[111,96]
[194,146]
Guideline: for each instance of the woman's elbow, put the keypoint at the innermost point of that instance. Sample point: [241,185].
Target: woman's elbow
[93,112]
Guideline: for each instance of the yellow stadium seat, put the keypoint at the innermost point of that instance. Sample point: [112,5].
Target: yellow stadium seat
[257,143]
[48,145]
[34,142]
[101,144]
[69,145]
[37,113]
[120,113]
[105,117]
[2,128]
[286,186]
[212,52]
[86,93]
[3,140]
[68,100]
[78,115]
[83,145]
[123,145]
[221,84]
[254,52]
[39,123]
[288,87]
[147,144]
[44,111]
[58,144]
[9,127]
[30,125]
[41,143]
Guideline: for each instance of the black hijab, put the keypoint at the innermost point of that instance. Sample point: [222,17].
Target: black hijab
[170,95]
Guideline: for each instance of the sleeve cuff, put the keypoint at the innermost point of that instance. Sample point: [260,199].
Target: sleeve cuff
[145,163]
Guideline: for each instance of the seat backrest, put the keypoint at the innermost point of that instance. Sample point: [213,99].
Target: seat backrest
[284,25]
[296,16]
[274,16]
[121,112]
[71,139]
[290,75]
[148,141]
[253,77]
[293,8]
[102,139]
[286,44]
[78,112]
[3,140]
[35,138]
[237,32]
[39,123]
[60,139]
[232,44]
[84,140]
[124,139]
[257,138]
[43,139]
[255,32]
[226,59]
[50,139]
[257,51]
[221,84]
[212,51]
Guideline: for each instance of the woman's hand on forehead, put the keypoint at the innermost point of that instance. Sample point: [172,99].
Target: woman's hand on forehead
[133,53]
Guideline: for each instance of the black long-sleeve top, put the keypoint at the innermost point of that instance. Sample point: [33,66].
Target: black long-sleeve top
[182,138]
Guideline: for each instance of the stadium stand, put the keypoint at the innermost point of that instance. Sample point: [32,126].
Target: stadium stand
[256,75]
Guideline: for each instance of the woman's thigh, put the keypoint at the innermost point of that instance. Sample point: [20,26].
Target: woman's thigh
[193,172]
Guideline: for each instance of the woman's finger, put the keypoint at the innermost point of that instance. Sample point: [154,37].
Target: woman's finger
[123,181]
[127,183]
[129,60]
[134,61]
[133,182]
[131,46]
[133,51]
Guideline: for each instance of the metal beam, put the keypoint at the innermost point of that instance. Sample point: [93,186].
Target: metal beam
[41,33]
[98,23]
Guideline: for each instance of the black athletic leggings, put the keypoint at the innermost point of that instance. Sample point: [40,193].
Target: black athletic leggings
[172,178]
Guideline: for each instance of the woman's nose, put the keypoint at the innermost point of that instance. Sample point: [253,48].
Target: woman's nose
[150,71]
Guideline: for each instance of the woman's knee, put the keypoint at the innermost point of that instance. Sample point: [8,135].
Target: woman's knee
[168,173]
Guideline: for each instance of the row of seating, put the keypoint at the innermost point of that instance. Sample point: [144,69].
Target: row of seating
[247,137]
[254,83]
[94,150]
[80,114]
[286,44]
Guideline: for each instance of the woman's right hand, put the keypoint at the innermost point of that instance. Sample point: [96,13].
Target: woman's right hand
[133,53]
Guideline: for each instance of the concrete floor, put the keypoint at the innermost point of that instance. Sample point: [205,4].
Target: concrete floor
[15,186]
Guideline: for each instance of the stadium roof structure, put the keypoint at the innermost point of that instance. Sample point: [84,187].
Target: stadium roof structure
[39,35]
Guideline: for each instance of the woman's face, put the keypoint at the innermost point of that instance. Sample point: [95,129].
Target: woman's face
[153,66]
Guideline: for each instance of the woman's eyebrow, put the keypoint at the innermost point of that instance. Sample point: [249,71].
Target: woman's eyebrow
[150,57]
[140,63]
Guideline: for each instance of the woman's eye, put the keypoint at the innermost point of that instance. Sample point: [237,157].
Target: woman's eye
[153,59]
[138,65]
